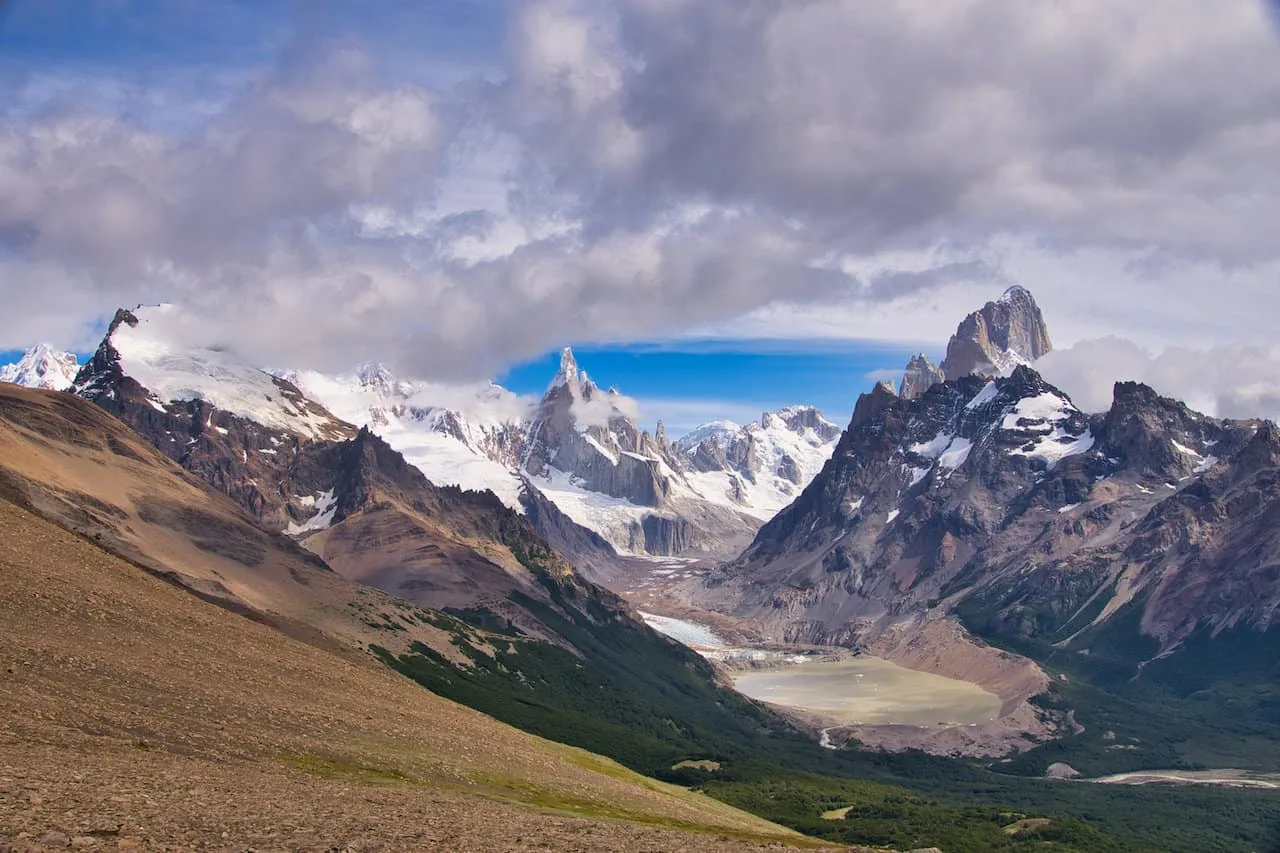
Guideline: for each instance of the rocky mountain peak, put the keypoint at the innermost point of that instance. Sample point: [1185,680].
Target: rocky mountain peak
[871,406]
[1001,335]
[101,376]
[377,377]
[1160,437]
[42,366]
[568,375]
[921,375]
[1262,451]
[799,419]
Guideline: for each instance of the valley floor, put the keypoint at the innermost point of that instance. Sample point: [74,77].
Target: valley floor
[870,691]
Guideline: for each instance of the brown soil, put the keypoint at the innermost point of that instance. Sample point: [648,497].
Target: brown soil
[135,716]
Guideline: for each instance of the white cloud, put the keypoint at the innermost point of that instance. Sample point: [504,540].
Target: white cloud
[673,167]
[602,406]
[1231,381]
[681,416]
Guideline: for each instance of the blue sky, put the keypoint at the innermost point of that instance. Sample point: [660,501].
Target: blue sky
[714,201]
[687,383]
[691,382]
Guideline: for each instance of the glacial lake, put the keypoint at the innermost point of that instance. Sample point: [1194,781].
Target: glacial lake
[870,691]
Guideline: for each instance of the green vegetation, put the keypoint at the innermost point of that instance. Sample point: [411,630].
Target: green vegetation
[640,699]
[1214,704]
[887,816]
[652,705]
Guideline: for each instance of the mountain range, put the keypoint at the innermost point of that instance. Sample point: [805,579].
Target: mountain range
[253,712]
[1086,567]
[984,514]
[580,447]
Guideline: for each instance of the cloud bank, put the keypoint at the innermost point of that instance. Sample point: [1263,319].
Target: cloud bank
[1229,381]
[613,171]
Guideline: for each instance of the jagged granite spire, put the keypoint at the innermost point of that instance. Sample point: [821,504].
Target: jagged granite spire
[568,374]
[996,339]
[921,375]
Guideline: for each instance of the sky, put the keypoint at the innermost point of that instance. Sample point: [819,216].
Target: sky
[747,202]
[691,382]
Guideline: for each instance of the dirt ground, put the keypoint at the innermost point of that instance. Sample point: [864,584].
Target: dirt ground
[134,716]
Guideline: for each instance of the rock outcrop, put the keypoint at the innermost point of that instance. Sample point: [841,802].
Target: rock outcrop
[998,337]
[921,375]
[1001,498]
[991,341]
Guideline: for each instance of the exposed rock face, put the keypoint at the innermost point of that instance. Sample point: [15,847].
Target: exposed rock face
[581,447]
[1003,334]
[237,455]
[583,432]
[921,375]
[1000,497]
[588,551]
[42,366]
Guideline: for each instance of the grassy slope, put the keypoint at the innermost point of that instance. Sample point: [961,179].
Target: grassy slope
[636,697]
[112,672]
[905,800]
[1213,704]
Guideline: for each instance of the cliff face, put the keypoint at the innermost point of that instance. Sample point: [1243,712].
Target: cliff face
[612,457]
[998,337]
[921,375]
[1004,498]
[991,341]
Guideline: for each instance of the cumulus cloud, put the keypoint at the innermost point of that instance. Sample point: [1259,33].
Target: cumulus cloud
[1230,381]
[486,403]
[657,166]
[876,123]
[245,221]
[602,406]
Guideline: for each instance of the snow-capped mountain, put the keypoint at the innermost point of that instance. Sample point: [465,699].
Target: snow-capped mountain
[997,505]
[143,354]
[238,428]
[581,448]
[458,435]
[578,446]
[42,366]
[763,465]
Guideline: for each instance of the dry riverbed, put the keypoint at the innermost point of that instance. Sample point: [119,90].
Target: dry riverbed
[1225,778]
